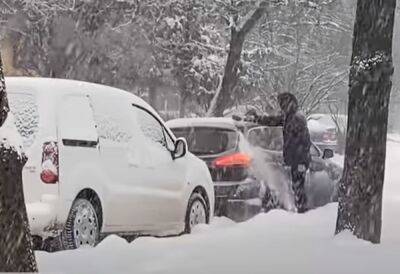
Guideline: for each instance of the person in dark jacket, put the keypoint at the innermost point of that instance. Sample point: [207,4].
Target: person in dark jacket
[296,143]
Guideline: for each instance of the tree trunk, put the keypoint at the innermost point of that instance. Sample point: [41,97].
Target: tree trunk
[153,94]
[182,106]
[16,254]
[231,73]
[360,190]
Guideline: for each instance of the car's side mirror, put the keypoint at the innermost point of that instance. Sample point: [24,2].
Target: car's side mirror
[181,148]
[328,154]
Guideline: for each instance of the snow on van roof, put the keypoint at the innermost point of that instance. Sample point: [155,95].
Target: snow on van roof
[51,85]
[202,122]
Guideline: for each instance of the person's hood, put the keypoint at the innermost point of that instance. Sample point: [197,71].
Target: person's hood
[288,103]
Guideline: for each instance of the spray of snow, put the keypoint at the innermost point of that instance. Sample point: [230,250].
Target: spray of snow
[271,174]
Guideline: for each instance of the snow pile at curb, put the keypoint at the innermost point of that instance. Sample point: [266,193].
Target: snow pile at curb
[394,137]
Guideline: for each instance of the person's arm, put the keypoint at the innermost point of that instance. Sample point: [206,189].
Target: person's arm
[271,121]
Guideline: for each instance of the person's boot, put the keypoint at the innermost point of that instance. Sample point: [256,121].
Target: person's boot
[300,200]
[301,210]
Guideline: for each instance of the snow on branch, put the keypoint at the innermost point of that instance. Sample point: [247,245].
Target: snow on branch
[372,68]
[253,16]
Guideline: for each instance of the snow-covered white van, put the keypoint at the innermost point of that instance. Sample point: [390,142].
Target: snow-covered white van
[102,161]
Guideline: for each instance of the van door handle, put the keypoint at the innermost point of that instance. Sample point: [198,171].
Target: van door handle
[80,143]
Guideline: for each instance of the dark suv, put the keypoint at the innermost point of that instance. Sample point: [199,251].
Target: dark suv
[218,142]
[245,162]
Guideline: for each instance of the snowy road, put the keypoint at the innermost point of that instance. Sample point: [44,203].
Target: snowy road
[278,242]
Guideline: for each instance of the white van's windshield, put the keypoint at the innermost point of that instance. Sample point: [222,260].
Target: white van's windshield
[24,108]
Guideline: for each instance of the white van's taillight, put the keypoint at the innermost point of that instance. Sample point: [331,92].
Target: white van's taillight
[49,174]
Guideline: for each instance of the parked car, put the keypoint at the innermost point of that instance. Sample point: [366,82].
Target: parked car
[245,161]
[324,174]
[102,161]
[327,131]
[217,142]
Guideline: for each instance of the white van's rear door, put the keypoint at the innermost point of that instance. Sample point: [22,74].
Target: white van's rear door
[34,131]
[78,145]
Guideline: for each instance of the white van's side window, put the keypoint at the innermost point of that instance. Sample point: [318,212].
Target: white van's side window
[112,129]
[113,119]
[25,111]
[151,127]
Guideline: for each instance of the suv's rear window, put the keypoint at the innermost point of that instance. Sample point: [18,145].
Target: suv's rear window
[208,140]
[269,138]
[25,111]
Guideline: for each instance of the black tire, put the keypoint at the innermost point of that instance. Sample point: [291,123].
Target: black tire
[53,244]
[68,236]
[194,198]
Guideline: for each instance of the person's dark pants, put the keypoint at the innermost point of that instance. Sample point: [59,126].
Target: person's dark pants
[298,173]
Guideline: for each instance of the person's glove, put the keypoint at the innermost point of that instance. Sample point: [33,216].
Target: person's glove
[251,116]
[252,112]
[237,118]
[250,119]
[288,171]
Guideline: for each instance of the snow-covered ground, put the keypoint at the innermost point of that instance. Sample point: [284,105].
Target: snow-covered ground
[277,242]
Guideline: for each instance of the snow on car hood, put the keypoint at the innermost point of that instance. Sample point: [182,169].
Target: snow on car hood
[315,126]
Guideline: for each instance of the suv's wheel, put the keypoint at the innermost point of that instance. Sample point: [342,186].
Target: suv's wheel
[82,226]
[196,213]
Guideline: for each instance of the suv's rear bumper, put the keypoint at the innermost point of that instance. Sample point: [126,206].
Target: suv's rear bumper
[322,145]
[238,200]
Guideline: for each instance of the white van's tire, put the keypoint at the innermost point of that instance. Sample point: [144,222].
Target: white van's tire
[196,213]
[82,226]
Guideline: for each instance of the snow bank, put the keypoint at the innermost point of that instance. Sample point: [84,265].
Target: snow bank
[338,159]
[394,137]
[277,242]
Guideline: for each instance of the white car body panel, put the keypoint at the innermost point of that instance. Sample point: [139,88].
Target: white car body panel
[142,189]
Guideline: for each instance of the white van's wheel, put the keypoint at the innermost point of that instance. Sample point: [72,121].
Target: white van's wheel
[196,212]
[82,226]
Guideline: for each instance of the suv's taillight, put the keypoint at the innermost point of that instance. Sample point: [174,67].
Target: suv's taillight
[49,174]
[234,160]
[230,168]
[329,135]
